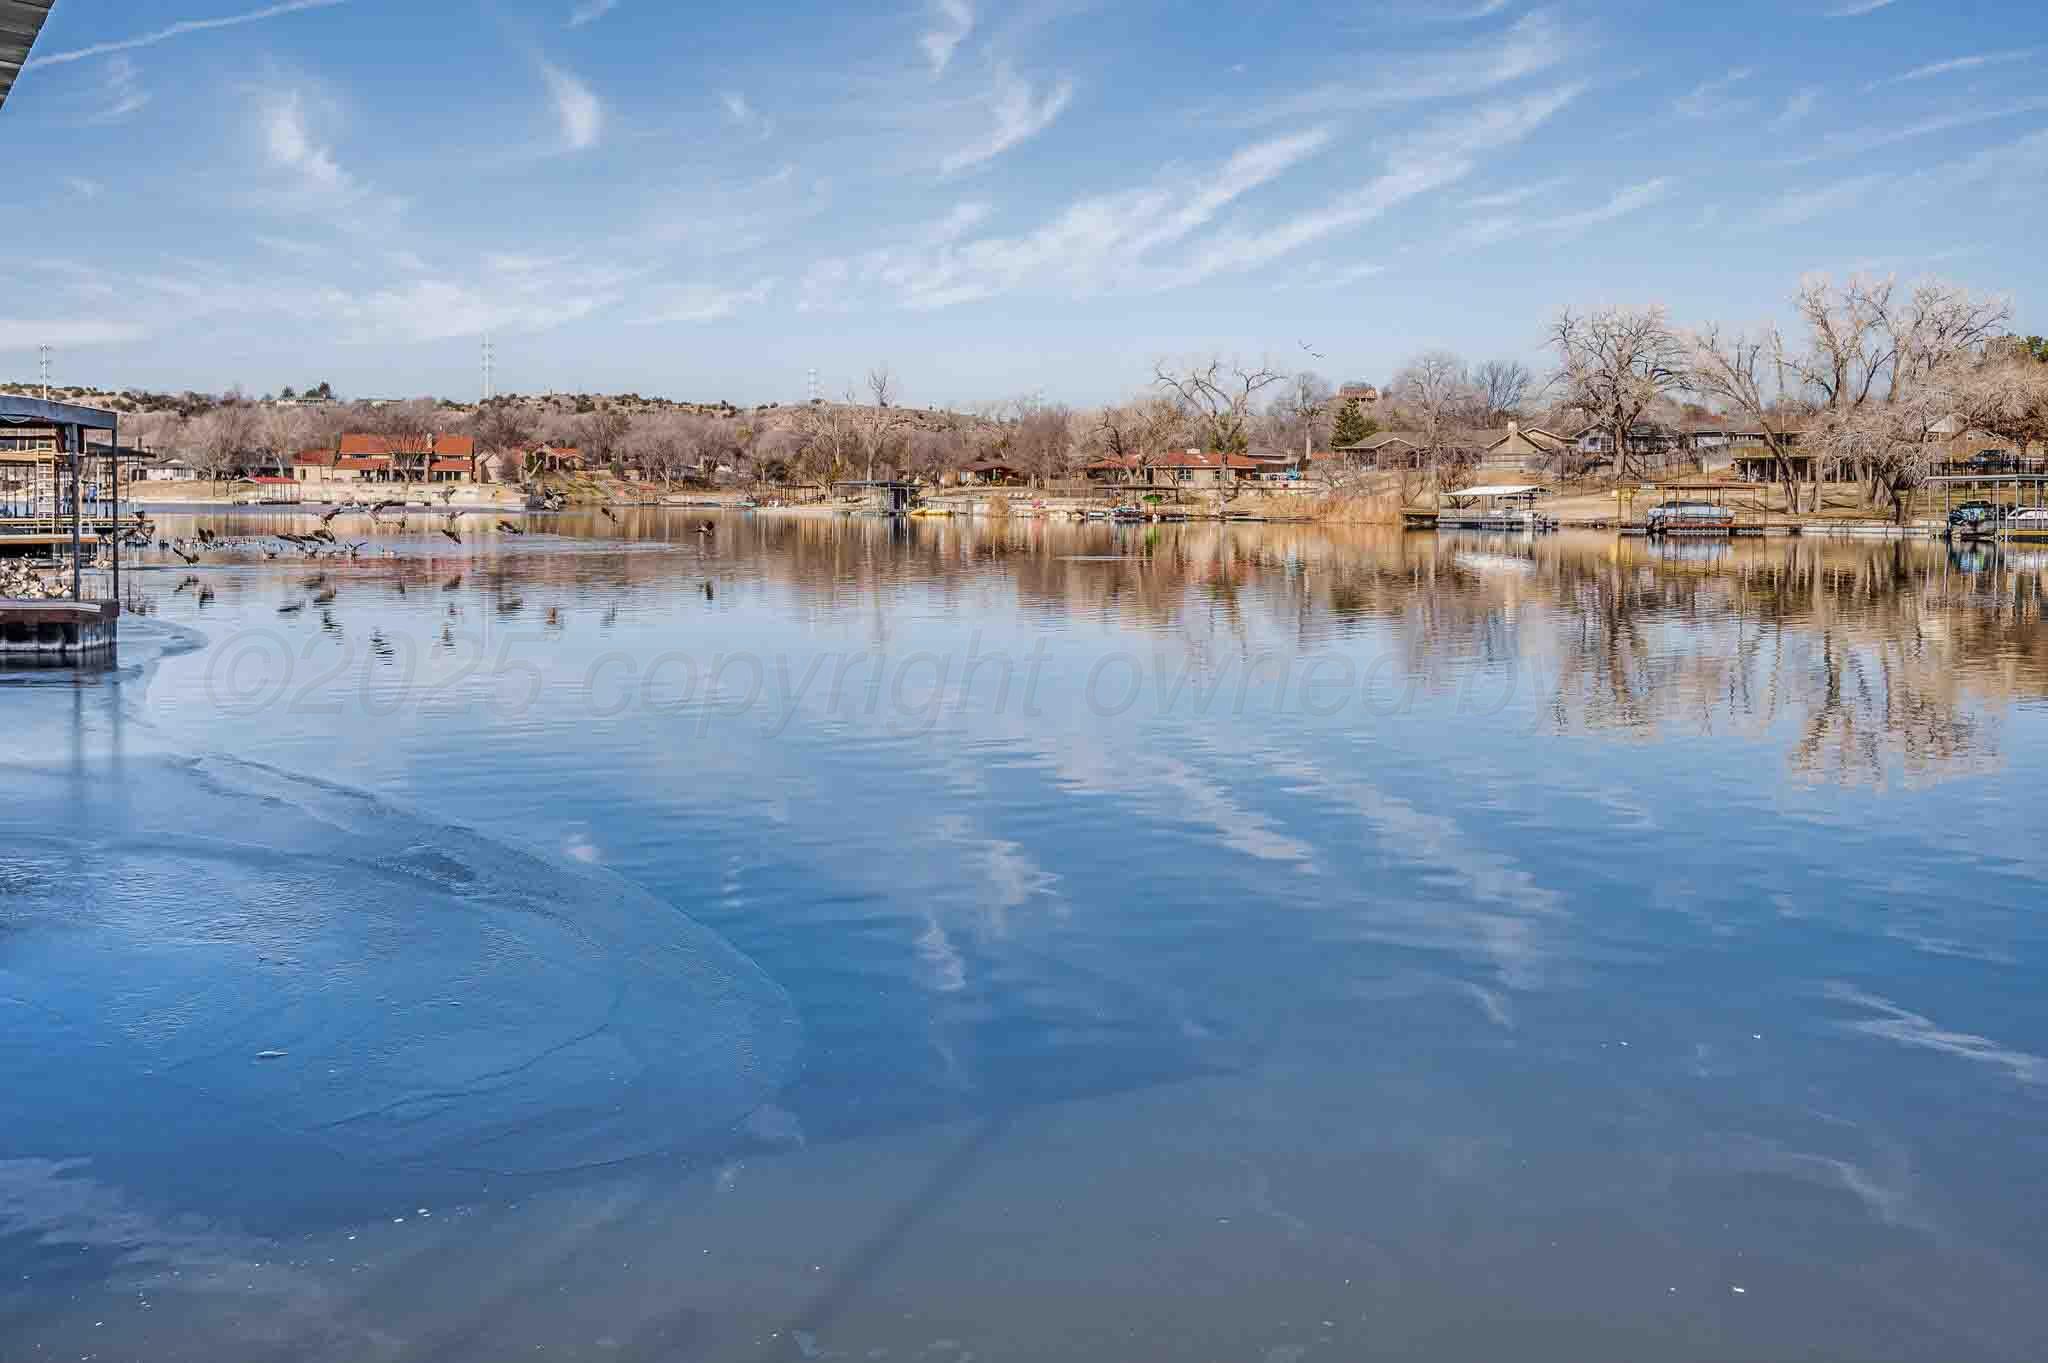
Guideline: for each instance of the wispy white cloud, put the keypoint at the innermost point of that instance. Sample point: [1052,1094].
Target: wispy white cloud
[305,175]
[705,303]
[955,22]
[1955,64]
[1857,8]
[510,295]
[291,148]
[2011,172]
[590,11]
[1535,43]
[1854,143]
[1520,194]
[121,93]
[576,105]
[1796,207]
[1324,275]
[1797,108]
[1020,114]
[1493,229]
[1435,158]
[1152,238]
[291,246]
[84,187]
[1713,97]
[1621,204]
[20,333]
[1095,244]
[178,30]
[741,113]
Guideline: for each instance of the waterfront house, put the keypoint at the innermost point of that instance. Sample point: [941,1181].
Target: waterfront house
[1522,449]
[365,458]
[1387,449]
[1115,470]
[1202,469]
[169,468]
[990,473]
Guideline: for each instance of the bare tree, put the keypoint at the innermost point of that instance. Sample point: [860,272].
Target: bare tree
[1871,339]
[777,453]
[663,447]
[878,424]
[1504,387]
[1747,374]
[1876,357]
[933,454]
[1041,444]
[505,431]
[223,439]
[281,433]
[1438,402]
[1613,366]
[603,435]
[1217,399]
[1301,417]
[829,438]
[2007,396]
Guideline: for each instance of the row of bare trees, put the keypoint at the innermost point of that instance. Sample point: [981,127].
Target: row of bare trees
[1865,383]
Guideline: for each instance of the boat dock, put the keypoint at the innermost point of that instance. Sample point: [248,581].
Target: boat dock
[59,515]
[57,631]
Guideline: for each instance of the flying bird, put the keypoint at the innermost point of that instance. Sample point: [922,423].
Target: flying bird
[510,528]
[609,515]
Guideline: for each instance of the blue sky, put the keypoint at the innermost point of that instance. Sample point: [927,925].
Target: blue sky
[709,201]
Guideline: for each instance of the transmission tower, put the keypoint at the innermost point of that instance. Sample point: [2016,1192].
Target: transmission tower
[814,385]
[490,362]
[43,360]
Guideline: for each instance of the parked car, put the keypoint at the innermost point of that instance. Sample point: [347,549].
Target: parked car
[1669,516]
[1986,461]
[1965,514]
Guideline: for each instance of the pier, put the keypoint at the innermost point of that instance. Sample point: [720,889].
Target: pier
[45,457]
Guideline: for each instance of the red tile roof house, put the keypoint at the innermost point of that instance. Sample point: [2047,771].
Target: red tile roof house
[385,459]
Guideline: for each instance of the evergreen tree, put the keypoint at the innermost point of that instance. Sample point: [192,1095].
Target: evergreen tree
[1353,425]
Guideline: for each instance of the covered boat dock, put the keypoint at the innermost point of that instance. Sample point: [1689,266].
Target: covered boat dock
[52,474]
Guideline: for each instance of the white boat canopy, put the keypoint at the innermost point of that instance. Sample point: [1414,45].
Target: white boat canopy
[1498,490]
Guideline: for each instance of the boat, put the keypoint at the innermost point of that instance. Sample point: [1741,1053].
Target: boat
[2028,523]
[1689,518]
[1127,515]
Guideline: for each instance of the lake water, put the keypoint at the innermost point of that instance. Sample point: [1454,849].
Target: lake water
[767,938]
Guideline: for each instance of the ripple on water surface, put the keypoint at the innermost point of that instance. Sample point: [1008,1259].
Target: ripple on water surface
[219,953]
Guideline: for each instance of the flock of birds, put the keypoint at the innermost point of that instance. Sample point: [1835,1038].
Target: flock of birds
[323,544]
